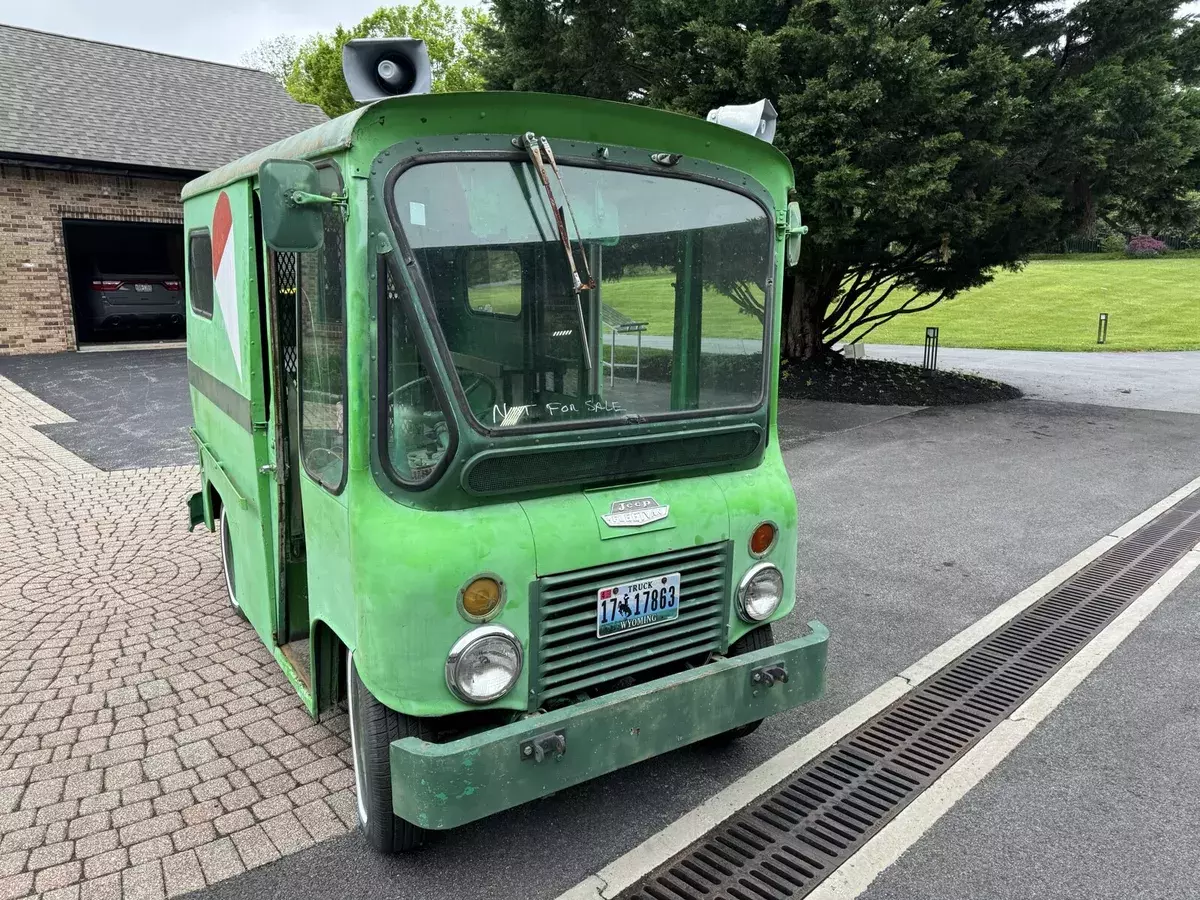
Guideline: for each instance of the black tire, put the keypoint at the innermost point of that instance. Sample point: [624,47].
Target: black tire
[227,566]
[757,639]
[373,727]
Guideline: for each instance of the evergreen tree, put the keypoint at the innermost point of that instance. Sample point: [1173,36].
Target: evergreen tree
[562,47]
[1123,65]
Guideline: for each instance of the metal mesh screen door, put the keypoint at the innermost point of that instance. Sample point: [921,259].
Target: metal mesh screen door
[286,271]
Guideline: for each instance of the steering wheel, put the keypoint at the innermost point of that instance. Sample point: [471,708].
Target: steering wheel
[322,458]
[472,382]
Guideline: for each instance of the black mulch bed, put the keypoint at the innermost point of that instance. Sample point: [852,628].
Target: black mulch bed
[878,381]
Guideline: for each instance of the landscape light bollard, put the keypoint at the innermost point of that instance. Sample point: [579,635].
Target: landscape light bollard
[931,349]
[1102,331]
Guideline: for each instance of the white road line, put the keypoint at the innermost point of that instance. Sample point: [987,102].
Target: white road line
[857,873]
[658,848]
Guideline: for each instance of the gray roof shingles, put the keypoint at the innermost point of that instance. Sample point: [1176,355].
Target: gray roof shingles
[74,99]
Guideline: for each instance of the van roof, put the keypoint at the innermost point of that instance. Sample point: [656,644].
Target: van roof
[321,140]
[554,115]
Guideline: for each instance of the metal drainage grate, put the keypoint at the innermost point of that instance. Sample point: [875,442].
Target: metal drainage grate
[790,839]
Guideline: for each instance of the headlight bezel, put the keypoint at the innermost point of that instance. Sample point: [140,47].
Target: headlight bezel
[464,644]
[752,574]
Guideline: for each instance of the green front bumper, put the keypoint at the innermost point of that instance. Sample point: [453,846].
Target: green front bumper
[447,785]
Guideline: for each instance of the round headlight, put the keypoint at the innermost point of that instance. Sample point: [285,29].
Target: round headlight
[760,592]
[484,664]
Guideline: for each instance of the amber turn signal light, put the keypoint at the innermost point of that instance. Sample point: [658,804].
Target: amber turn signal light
[763,539]
[480,598]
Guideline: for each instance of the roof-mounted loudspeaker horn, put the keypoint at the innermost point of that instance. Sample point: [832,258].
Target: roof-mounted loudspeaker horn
[757,119]
[376,68]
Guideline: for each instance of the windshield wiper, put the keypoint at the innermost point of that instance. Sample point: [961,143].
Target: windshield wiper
[537,147]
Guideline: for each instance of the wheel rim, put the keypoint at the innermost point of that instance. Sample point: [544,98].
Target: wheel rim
[356,741]
[227,562]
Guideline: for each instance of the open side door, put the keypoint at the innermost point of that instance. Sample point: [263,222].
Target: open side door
[280,273]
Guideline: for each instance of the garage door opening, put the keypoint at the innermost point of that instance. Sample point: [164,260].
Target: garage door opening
[126,280]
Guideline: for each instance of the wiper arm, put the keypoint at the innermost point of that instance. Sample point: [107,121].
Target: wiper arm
[590,283]
[537,147]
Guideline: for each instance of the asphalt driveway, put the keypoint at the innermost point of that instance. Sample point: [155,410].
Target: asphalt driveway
[130,407]
[1162,381]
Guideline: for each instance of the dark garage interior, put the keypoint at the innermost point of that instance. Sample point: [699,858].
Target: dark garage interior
[126,280]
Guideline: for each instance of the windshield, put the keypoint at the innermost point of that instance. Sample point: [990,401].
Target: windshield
[670,317]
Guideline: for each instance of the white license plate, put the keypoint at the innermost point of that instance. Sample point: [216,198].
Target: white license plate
[143,288]
[637,604]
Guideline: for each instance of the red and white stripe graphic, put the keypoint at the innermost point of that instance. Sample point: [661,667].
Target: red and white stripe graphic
[225,274]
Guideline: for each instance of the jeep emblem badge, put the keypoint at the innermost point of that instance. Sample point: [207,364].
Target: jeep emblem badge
[635,513]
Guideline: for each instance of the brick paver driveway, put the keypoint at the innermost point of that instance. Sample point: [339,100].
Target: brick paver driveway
[149,744]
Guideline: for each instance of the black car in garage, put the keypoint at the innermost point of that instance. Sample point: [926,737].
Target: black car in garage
[132,299]
[126,279]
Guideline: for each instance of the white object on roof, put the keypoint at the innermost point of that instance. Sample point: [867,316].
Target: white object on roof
[755,119]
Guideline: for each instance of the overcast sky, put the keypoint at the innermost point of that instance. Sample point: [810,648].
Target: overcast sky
[220,30]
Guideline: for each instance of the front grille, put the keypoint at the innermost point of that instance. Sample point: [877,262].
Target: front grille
[570,658]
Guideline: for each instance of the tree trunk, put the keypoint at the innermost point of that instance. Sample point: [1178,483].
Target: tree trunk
[803,318]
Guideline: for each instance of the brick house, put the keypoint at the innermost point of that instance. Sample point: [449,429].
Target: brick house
[96,141]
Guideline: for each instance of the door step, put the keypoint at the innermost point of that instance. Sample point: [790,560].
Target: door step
[299,654]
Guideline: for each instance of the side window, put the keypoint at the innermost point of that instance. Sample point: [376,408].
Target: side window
[321,300]
[417,431]
[200,272]
[494,282]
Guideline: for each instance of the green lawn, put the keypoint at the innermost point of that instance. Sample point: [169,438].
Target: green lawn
[644,298]
[1054,304]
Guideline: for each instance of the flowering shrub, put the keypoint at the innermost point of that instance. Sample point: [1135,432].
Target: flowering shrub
[1145,247]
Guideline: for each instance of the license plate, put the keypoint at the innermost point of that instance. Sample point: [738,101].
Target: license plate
[637,604]
[143,288]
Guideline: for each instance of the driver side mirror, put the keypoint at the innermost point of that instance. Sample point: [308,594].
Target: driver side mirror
[293,217]
[795,231]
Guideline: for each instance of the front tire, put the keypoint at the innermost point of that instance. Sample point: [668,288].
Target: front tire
[373,727]
[227,565]
[758,639]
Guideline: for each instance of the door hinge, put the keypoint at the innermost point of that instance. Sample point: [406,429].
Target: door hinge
[279,470]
